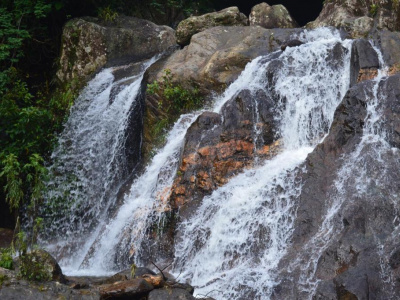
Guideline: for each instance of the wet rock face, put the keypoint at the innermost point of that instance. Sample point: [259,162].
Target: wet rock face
[212,61]
[359,17]
[218,146]
[230,16]
[389,43]
[276,16]
[89,45]
[364,62]
[353,255]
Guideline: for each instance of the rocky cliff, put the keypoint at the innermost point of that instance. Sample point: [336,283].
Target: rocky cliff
[343,218]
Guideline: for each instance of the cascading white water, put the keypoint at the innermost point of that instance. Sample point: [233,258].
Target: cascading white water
[89,163]
[232,245]
[143,204]
[362,173]
[230,248]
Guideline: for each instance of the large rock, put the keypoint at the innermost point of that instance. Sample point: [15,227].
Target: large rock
[20,289]
[170,294]
[230,16]
[359,17]
[88,45]
[39,265]
[364,62]
[218,146]
[389,43]
[212,61]
[276,16]
[346,228]
[128,289]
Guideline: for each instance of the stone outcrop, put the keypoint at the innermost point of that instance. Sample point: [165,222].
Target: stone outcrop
[88,45]
[361,251]
[218,146]
[132,289]
[40,258]
[230,16]
[359,17]
[212,61]
[389,43]
[144,285]
[21,289]
[276,16]
[364,62]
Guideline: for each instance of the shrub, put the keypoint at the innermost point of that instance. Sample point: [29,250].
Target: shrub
[6,260]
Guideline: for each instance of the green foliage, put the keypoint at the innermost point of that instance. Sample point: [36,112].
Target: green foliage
[2,279]
[173,100]
[20,244]
[13,187]
[6,259]
[31,268]
[373,9]
[177,98]
[107,14]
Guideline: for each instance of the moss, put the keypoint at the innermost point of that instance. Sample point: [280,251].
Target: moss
[3,278]
[172,100]
[32,268]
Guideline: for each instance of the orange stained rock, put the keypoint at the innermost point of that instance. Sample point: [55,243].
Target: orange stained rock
[180,190]
[367,74]
[180,201]
[155,280]
[207,151]
[191,159]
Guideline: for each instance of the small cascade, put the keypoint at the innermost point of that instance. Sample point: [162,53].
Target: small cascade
[90,163]
[230,248]
[237,242]
[366,174]
[144,205]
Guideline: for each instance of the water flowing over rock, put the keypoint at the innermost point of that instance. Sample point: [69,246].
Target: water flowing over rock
[98,150]
[227,17]
[276,16]
[89,44]
[212,61]
[348,207]
[283,186]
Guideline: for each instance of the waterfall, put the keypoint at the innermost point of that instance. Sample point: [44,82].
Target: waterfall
[364,174]
[90,162]
[230,248]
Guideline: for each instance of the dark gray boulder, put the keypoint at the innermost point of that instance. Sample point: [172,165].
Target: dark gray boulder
[291,43]
[170,294]
[364,59]
[352,252]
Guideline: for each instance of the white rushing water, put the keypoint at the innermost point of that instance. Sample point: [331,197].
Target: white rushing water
[231,246]
[89,163]
[363,172]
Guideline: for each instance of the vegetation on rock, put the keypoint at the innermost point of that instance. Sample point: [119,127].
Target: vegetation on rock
[174,100]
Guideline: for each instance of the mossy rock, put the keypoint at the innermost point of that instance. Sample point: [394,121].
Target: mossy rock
[39,265]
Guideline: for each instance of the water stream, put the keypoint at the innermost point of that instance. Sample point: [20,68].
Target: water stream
[231,247]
